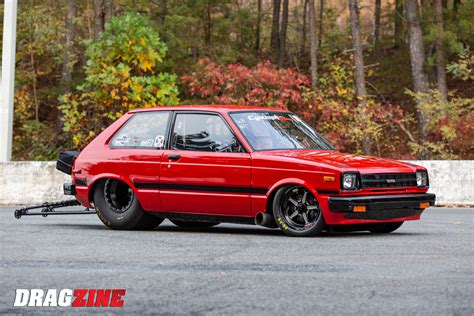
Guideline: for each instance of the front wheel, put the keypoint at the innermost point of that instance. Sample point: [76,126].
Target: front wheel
[118,208]
[384,228]
[297,212]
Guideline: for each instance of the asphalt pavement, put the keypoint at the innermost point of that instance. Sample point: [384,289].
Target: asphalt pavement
[424,268]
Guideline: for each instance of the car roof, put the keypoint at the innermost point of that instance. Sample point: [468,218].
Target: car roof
[210,108]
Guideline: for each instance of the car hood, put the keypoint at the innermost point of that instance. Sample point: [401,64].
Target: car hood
[363,164]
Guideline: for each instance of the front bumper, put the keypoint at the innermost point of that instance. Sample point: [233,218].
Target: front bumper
[381,207]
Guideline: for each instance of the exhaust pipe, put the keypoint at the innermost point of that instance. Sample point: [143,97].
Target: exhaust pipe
[265,219]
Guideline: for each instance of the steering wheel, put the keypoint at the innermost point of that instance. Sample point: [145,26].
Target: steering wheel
[231,146]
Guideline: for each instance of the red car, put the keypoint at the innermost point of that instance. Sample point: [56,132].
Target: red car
[199,166]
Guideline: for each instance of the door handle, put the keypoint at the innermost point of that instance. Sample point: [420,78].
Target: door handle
[174,157]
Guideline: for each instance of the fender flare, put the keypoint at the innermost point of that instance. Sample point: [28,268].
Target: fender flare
[102,176]
[288,181]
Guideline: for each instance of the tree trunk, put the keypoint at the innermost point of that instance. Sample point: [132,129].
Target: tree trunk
[33,74]
[398,21]
[259,21]
[108,10]
[440,52]
[275,37]
[377,15]
[208,25]
[417,60]
[313,50]
[99,18]
[321,12]
[303,29]
[456,4]
[361,90]
[284,27]
[417,49]
[67,67]
[162,11]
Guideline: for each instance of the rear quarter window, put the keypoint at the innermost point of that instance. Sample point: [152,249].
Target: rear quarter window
[145,130]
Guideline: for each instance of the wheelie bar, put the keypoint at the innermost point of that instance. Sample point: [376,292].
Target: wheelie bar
[50,209]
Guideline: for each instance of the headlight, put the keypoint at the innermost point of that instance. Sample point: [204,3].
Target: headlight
[422,179]
[349,181]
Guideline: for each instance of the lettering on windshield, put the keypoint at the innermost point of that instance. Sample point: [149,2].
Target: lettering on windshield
[268,118]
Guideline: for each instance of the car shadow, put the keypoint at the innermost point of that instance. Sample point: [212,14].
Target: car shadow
[256,230]
[240,230]
[362,234]
[237,229]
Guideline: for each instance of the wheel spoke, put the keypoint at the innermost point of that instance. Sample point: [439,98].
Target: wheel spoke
[289,210]
[305,217]
[292,201]
[305,196]
[312,207]
[295,213]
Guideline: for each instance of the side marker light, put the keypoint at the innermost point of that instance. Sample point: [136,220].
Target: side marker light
[424,205]
[359,209]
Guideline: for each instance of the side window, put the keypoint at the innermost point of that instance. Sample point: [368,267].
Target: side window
[143,130]
[203,132]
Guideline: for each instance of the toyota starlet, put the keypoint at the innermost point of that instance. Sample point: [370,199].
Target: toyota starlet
[199,166]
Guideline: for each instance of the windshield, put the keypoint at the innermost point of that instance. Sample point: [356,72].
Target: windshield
[278,130]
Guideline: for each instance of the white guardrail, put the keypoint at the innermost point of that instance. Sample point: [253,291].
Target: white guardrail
[30,182]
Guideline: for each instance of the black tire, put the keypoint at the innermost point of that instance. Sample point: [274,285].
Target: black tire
[118,208]
[306,218]
[384,228]
[193,224]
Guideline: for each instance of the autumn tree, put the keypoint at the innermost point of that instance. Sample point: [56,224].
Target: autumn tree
[259,22]
[68,55]
[377,17]
[103,12]
[162,11]
[304,28]
[440,51]
[122,73]
[208,23]
[417,60]
[417,48]
[54,40]
[361,90]
[320,30]
[283,31]
[313,45]
[275,35]
[39,63]
[398,20]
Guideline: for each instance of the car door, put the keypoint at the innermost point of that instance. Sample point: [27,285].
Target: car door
[205,170]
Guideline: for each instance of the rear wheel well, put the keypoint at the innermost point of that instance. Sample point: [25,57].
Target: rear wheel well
[93,187]
[118,207]
[101,181]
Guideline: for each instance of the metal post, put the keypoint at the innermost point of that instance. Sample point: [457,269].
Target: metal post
[8,80]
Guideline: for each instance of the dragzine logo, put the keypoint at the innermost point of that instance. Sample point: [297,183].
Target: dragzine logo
[70,298]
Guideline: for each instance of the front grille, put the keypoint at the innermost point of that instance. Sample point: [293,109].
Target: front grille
[388,180]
